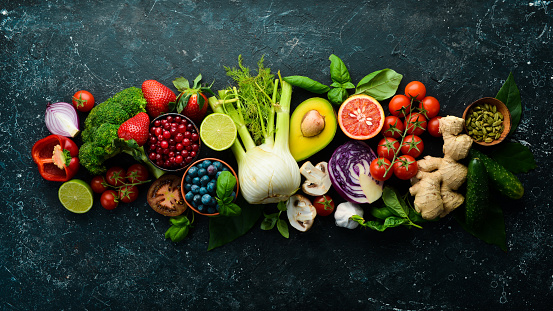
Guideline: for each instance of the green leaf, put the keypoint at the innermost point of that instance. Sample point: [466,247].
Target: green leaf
[510,96]
[269,223]
[180,220]
[181,84]
[229,210]
[307,84]
[338,71]
[337,96]
[396,205]
[282,206]
[177,233]
[515,157]
[223,230]
[380,84]
[282,227]
[225,184]
[494,230]
[380,212]
[197,81]
[393,221]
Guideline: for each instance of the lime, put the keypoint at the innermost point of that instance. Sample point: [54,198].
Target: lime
[218,131]
[76,196]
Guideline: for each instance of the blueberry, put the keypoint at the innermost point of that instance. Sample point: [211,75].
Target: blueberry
[212,187]
[195,189]
[202,172]
[213,202]
[218,173]
[188,178]
[206,163]
[203,190]
[187,187]
[211,210]
[193,171]
[225,169]
[233,194]
[205,180]
[201,208]
[218,165]
[206,199]
[189,196]
[211,170]
[195,204]
[196,180]
[197,198]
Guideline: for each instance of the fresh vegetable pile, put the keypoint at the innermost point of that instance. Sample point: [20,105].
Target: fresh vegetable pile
[394,184]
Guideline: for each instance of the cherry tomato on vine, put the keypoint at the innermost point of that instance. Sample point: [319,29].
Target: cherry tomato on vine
[429,106]
[83,101]
[116,175]
[434,126]
[412,145]
[393,127]
[399,105]
[137,173]
[405,167]
[417,124]
[324,205]
[378,169]
[98,184]
[387,148]
[109,199]
[128,194]
[415,89]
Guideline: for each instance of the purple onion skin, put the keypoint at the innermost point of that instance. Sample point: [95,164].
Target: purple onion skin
[345,159]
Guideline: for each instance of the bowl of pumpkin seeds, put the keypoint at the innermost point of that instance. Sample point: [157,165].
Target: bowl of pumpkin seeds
[487,121]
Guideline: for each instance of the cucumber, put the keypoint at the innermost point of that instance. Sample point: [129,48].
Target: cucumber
[500,178]
[477,197]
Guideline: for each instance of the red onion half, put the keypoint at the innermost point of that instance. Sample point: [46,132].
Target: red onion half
[62,119]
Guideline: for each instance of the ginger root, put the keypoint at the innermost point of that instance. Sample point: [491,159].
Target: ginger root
[437,179]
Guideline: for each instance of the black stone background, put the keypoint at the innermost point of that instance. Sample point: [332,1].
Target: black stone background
[51,259]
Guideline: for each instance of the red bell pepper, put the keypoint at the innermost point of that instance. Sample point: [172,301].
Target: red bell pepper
[56,157]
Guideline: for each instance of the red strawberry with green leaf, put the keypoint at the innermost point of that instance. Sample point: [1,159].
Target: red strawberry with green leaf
[191,101]
[159,98]
[135,128]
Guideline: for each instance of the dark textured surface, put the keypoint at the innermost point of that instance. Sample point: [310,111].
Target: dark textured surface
[119,260]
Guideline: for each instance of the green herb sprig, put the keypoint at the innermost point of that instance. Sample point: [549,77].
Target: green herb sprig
[226,182]
[274,219]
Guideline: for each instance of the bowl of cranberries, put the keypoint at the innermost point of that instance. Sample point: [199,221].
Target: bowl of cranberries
[173,142]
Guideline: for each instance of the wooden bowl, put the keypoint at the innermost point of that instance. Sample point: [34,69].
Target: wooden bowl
[183,182]
[501,108]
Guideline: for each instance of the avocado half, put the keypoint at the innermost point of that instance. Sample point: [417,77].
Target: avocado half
[302,146]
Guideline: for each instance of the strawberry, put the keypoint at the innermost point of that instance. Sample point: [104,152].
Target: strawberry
[159,98]
[191,101]
[135,128]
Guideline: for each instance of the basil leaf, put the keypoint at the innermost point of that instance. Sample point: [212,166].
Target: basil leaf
[225,184]
[346,86]
[515,157]
[282,206]
[282,227]
[380,84]
[510,96]
[271,216]
[223,230]
[393,221]
[337,95]
[229,209]
[380,212]
[307,84]
[268,223]
[338,71]
[176,233]
[392,201]
[180,220]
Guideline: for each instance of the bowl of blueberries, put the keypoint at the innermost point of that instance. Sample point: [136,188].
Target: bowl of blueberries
[199,185]
[173,142]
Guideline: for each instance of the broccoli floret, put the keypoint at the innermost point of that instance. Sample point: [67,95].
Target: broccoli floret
[100,138]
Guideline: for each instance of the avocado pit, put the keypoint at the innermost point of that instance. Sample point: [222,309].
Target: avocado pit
[312,124]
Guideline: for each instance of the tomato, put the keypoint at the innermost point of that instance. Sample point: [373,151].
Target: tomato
[400,105]
[324,205]
[83,101]
[393,127]
[434,126]
[387,148]
[378,169]
[429,107]
[405,167]
[109,199]
[137,173]
[115,176]
[416,90]
[98,184]
[417,124]
[412,145]
[128,194]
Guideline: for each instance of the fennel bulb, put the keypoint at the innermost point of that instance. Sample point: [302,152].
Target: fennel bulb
[267,172]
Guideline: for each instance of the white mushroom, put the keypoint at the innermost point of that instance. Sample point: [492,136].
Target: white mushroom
[301,212]
[344,211]
[317,179]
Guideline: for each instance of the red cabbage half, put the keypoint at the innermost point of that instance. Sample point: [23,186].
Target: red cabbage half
[349,170]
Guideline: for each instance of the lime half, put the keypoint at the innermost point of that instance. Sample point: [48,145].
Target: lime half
[218,131]
[76,196]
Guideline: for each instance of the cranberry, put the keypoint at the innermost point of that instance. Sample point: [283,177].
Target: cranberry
[179,146]
[153,140]
[189,126]
[184,122]
[160,137]
[158,156]
[169,118]
[158,131]
[179,137]
[171,154]
[159,149]
[164,144]
[172,142]
[195,147]
[178,159]
[157,123]
[165,151]
[181,128]
[188,159]
[152,156]
[186,142]
[167,126]
[178,119]
[153,147]
[166,134]
[192,153]
[188,148]
[195,137]
[173,131]
[184,153]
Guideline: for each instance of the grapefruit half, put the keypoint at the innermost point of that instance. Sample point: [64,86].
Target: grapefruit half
[361,117]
